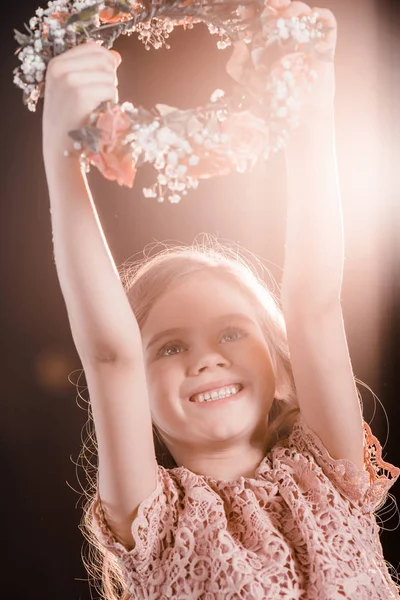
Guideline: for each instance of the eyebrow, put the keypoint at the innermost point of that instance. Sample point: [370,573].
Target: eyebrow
[179,330]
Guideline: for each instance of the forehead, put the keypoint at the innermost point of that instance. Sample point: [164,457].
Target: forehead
[199,299]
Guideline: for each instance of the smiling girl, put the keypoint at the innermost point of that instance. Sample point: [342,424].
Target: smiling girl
[233,458]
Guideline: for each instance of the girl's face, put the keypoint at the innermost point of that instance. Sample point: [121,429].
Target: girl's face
[217,339]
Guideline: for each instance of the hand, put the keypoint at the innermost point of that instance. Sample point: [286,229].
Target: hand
[76,83]
[320,102]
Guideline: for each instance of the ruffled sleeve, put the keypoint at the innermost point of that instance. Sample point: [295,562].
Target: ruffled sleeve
[151,528]
[368,487]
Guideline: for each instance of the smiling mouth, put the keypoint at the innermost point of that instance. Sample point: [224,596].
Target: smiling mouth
[213,396]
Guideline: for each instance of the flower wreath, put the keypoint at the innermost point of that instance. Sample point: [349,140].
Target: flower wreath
[183,145]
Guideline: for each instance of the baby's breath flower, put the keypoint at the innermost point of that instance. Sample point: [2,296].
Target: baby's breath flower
[217,95]
[173,141]
[194,160]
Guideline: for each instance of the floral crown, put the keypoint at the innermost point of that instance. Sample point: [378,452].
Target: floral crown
[229,133]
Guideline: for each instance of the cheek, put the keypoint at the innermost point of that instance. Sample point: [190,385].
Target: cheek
[162,384]
[257,353]
[260,361]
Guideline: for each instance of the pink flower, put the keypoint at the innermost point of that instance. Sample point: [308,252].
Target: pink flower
[248,135]
[120,169]
[114,15]
[114,161]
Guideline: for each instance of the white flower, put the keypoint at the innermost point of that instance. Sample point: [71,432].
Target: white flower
[149,193]
[18,81]
[194,160]
[166,137]
[217,95]
[288,77]
[170,171]
[282,112]
[186,147]
[284,33]
[129,108]
[26,68]
[54,25]
[281,90]
[162,180]
[172,158]
[292,103]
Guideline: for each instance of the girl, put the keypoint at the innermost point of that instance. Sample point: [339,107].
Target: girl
[262,478]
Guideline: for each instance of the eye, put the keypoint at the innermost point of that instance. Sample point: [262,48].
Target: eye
[164,349]
[235,332]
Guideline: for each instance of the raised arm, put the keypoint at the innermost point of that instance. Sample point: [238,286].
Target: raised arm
[102,323]
[103,326]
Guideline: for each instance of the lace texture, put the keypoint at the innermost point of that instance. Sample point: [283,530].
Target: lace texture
[303,529]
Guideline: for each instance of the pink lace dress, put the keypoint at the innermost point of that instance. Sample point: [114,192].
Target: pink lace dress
[302,529]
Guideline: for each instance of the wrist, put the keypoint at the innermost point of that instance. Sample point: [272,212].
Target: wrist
[59,167]
[315,130]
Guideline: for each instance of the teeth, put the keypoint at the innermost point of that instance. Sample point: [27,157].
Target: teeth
[217,394]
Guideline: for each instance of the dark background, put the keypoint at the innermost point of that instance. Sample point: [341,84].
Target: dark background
[41,424]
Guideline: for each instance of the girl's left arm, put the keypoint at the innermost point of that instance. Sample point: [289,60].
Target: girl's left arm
[311,288]
[314,244]
[314,256]
[314,262]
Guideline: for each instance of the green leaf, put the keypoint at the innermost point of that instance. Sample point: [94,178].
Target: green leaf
[88,137]
[22,38]
[213,124]
[84,16]
[124,6]
[193,126]
[164,109]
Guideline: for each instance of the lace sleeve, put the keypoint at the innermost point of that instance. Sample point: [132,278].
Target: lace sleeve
[367,487]
[155,518]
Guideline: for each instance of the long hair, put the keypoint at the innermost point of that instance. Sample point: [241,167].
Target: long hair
[144,281]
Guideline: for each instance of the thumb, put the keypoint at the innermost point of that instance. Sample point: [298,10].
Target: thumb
[240,56]
[117,57]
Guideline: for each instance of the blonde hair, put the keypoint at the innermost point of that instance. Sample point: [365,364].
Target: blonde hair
[144,282]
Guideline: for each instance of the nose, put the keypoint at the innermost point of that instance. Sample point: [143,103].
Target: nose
[207,359]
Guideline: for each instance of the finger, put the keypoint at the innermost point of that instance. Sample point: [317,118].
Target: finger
[325,16]
[79,64]
[82,79]
[103,91]
[296,9]
[238,60]
[277,4]
[91,49]
[117,57]
[328,19]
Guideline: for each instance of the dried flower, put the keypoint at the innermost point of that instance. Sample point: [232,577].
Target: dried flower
[113,163]
[183,146]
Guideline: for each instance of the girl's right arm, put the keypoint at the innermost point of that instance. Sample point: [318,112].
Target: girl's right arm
[104,328]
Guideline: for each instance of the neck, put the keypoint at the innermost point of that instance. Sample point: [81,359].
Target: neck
[220,463]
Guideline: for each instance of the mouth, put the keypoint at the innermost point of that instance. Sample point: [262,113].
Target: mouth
[221,400]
